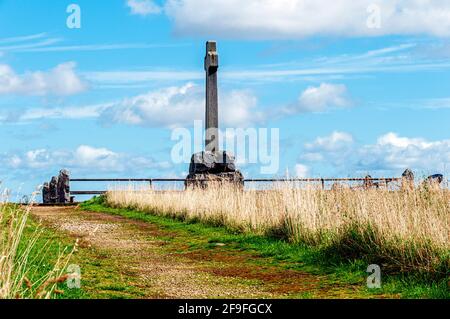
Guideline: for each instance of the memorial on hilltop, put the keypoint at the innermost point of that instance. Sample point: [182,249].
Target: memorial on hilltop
[212,165]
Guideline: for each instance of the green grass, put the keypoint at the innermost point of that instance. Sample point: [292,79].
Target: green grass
[48,247]
[100,276]
[280,253]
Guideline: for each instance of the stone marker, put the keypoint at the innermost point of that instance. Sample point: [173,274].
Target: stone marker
[434,182]
[53,190]
[436,178]
[46,193]
[408,180]
[212,165]
[63,187]
[369,183]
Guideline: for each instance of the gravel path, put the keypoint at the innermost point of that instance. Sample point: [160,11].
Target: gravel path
[164,271]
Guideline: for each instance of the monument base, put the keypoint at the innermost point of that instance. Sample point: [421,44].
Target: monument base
[204,180]
[208,168]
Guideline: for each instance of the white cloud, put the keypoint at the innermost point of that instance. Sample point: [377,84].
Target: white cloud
[80,112]
[61,80]
[287,19]
[36,158]
[14,162]
[181,106]
[164,107]
[29,46]
[337,141]
[301,171]
[334,68]
[127,78]
[394,152]
[333,148]
[321,99]
[88,156]
[42,43]
[391,153]
[143,7]
[83,158]
[392,139]
[97,47]
[23,38]
[238,108]
[398,58]
[442,103]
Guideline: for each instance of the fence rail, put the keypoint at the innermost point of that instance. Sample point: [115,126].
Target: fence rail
[151,181]
[110,179]
[392,179]
[58,190]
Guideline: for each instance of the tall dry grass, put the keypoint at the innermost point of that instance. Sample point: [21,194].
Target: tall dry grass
[403,230]
[19,262]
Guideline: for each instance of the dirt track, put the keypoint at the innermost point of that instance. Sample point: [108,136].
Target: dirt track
[163,269]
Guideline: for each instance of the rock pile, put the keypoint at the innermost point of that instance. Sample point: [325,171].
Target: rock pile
[57,191]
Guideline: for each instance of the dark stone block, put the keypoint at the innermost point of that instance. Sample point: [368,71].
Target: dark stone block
[63,187]
[408,174]
[204,180]
[225,162]
[369,183]
[201,163]
[436,179]
[213,167]
[46,193]
[433,182]
[53,190]
[212,163]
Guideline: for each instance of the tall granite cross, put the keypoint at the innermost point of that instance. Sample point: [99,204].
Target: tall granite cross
[212,165]
[212,103]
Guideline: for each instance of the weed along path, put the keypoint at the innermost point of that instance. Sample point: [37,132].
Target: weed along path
[126,258]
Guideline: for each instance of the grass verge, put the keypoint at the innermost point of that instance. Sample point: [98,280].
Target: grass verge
[101,277]
[48,247]
[32,265]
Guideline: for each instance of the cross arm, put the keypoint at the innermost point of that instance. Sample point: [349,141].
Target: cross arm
[212,57]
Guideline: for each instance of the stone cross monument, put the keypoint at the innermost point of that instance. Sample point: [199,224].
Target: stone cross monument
[212,165]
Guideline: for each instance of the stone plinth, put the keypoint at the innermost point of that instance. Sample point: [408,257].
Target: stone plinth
[209,168]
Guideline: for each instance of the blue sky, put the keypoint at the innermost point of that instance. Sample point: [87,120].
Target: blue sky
[102,100]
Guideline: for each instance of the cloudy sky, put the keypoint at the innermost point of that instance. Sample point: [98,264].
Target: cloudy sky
[354,87]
